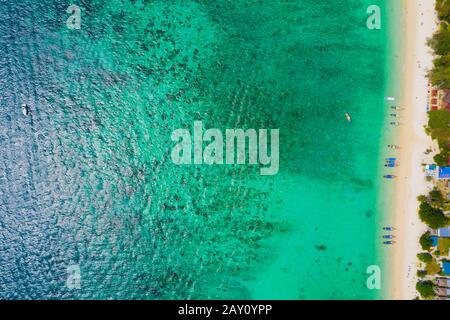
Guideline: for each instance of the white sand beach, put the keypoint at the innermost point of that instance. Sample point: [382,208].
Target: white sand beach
[420,20]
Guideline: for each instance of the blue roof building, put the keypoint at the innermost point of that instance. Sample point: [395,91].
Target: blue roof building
[444,232]
[444,173]
[446,267]
[435,240]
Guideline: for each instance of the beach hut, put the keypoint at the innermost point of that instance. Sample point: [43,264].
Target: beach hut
[443,282]
[445,102]
[446,268]
[444,292]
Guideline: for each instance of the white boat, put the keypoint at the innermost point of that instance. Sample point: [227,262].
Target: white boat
[25,109]
[390,98]
[349,118]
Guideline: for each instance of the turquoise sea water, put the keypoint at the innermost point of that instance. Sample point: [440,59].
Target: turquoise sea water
[87,180]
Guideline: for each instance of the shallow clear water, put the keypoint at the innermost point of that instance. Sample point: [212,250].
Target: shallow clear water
[87,180]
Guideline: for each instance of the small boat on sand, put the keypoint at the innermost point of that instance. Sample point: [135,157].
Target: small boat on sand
[393,146]
[389,98]
[391,165]
[395,123]
[389,176]
[388,236]
[388,242]
[349,118]
[396,108]
[388,228]
[395,115]
[25,109]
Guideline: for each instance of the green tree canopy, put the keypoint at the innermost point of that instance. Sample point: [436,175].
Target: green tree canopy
[439,129]
[440,73]
[425,257]
[440,42]
[421,198]
[441,159]
[421,273]
[443,9]
[436,198]
[433,217]
[426,289]
[439,119]
[425,241]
